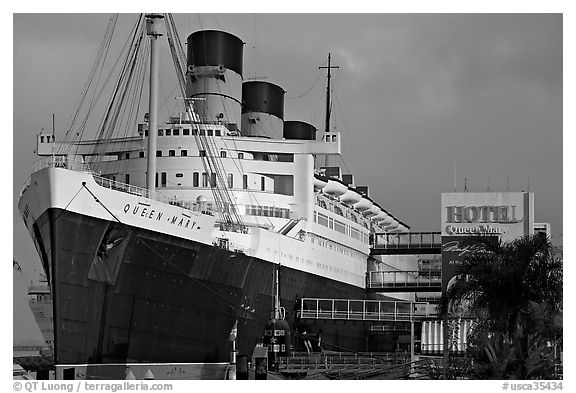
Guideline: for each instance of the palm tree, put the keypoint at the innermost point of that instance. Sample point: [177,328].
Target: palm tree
[514,293]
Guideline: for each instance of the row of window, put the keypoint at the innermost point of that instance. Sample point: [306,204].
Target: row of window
[208,180]
[267,211]
[186,132]
[347,213]
[183,153]
[340,227]
[49,138]
[338,248]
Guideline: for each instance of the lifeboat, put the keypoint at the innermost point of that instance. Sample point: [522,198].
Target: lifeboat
[387,220]
[319,183]
[334,187]
[350,197]
[364,204]
[374,210]
[380,216]
[395,224]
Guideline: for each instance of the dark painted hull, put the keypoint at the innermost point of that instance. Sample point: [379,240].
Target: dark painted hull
[126,294]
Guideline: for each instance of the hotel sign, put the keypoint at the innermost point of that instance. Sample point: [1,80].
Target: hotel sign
[508,215]
[483,216]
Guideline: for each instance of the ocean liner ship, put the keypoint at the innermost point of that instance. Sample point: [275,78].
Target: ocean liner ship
[159,269]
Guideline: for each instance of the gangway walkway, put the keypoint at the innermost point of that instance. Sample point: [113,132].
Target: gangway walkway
[365,310]
[406,243]
[404,281]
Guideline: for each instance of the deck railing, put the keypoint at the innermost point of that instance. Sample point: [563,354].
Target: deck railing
[76,165]
[400,279]
[364,310]
[330,360]
[410,240]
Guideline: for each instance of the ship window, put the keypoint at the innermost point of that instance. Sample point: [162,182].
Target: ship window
[210,132]
[340,227]
[158,153]
[171,153]
[194,132]
[223,154]
[186,131]
[240,156]
[163,179]
[322,219]
[41,138]
[195,177]
[355,233]
[168,132]
[245,182]
[217,133]
[160,132]
[179,175]
[204,179]
[212,180]
[113,178]
[202,132]
[127,178]
[183,153]
[127,156]
[202,153]
[145,132]
[263,184]
[176,132]
[141,154]
[230,180]
[156,180]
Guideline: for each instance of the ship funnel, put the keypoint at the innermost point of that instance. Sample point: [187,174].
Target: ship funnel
[294,129]
[262,109]
[214,75]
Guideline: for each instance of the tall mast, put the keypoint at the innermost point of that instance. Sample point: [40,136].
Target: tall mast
[154,28]
[328,103]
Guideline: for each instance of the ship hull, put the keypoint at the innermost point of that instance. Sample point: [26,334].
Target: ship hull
[138,281]
[125,294]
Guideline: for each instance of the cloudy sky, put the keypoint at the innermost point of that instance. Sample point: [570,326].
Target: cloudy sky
[414,94]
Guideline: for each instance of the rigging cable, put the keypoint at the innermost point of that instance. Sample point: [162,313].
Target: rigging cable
[212,166]
[98,64]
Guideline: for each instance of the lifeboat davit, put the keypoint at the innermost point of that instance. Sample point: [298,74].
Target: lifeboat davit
[364,204]
[350,197]
[334,187]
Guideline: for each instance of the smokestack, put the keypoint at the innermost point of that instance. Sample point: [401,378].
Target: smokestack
[262,109]
[215,75]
